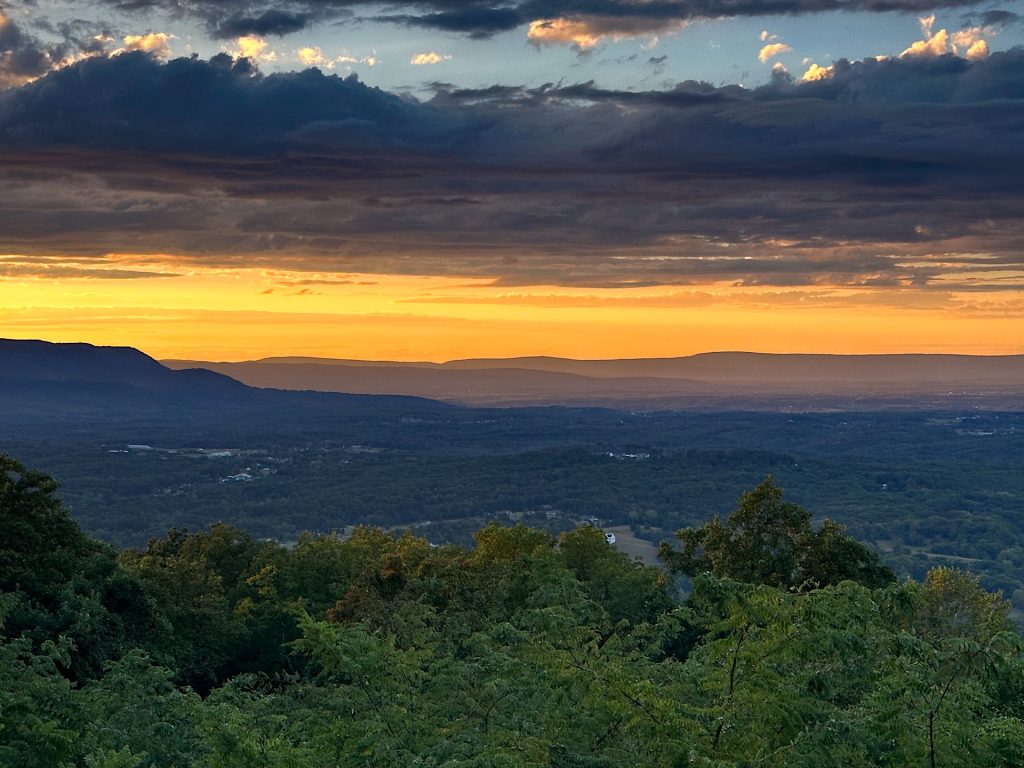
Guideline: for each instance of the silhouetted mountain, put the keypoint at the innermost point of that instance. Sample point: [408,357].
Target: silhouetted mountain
[505,385]
[756,367]
[721,379]
[42,382]
[44,364]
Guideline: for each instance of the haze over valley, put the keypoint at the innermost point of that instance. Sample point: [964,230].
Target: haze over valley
[141,447]
[731,380]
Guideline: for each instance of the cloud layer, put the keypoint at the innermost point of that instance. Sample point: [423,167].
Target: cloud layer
[22,55]
[899,172]
[484,18]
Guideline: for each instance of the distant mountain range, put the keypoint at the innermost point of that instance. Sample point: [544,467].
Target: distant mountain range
[42,382]
[41,379]
[725,366]
[729,379]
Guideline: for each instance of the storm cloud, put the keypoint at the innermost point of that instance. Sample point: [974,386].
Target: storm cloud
[893,172]
[270,22]
[484,18]
[23,56]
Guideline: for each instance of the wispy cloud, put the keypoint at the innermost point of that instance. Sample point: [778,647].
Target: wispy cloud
[772,50]
[428,58]
[29,268]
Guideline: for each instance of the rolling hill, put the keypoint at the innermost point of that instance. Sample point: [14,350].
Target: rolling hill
[729,380]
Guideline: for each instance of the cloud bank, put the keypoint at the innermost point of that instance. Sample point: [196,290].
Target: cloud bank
[485,18]
[897,172]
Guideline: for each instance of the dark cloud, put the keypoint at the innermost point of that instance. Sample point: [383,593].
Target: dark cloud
[484,18]
[219,108]
[268,23]
[478,23]
[994,18]
[22,55]
[80,35]
[899,172]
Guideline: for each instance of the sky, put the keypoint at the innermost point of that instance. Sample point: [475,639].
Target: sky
[236,179]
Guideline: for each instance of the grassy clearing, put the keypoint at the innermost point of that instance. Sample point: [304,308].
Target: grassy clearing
[633,546]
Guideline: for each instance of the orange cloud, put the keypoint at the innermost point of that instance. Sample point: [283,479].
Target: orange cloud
[586,32]
[772,49]
[933,45]
[970,42]
[310,56]
[562,31]
[977,50]
[815,72]
[253,47]
[156,43]
[424,59]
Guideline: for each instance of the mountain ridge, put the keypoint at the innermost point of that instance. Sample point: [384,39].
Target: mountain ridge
[656,382]
[40,379]
[32,360]
[711,366]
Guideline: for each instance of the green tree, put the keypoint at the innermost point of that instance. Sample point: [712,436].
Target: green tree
[199,630]
[941,697]
[136,710]
[497,543]
[770,541]
[68,584]
[36,722]
[625,588]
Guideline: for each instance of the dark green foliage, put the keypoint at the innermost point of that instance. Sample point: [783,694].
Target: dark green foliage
[771,541]
[382,650]
[65,584]
[212,589]
[830,556]
[34,701]
[41,547]
[623,587]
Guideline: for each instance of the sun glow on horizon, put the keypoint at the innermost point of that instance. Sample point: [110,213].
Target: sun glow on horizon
[173,310]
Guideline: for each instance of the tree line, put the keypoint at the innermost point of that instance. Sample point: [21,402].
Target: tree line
[792,646]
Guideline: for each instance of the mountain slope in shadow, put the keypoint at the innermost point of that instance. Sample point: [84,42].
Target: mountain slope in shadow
[42,381]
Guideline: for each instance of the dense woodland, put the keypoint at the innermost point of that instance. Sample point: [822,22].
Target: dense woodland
[792,645]
[924,488]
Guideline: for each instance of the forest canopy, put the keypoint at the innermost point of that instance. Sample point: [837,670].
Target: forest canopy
[771,541]
[793,647]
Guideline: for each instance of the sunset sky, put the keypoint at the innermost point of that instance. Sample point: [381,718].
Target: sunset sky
[226,179]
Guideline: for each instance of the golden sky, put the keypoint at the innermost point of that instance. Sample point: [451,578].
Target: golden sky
[244,313]
[207,197]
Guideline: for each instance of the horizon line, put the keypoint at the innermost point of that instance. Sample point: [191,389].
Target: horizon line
[514,358]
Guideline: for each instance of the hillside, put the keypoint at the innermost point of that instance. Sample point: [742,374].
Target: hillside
[721,380]
[42,363]
[42,382]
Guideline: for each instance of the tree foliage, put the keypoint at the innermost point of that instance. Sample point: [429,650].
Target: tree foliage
[382,650]
[770,541]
